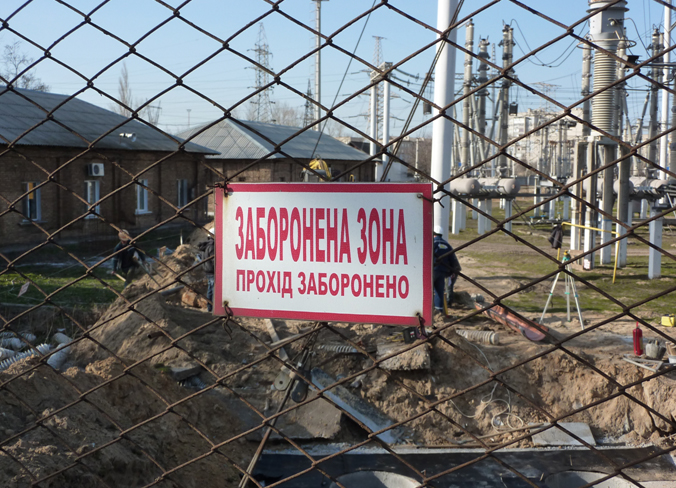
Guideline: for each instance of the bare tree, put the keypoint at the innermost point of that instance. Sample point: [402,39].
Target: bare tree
[124,95]
[127,103]
[285,114]
[14,62]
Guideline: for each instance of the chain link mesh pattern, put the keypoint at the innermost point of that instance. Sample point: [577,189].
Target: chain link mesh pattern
[123,416]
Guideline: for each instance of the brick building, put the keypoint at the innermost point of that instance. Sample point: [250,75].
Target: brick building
[275,149]
[61,159]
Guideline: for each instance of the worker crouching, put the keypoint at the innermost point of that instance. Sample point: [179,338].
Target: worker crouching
[446,270]
[129,262]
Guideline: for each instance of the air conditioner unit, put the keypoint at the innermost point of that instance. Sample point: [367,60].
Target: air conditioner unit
[95,169]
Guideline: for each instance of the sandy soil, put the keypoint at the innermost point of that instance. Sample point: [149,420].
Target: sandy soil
[110,417]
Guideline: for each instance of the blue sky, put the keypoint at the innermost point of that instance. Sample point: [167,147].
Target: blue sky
[226,78]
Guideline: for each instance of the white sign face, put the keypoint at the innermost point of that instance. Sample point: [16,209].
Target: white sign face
[340,252]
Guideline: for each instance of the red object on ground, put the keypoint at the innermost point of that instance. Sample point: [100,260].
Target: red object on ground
[638,341]
[529,329]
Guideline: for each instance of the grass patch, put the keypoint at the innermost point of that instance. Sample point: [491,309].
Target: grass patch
[84,291]
[631,286]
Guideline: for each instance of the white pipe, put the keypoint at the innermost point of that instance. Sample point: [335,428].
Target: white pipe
[60,338]
[442,129]
[57,359]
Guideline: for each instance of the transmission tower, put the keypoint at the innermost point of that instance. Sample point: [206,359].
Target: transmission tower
[261,102]
[377,61]
[309,115]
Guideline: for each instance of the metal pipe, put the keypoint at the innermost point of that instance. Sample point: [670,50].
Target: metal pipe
[442,128]
[318,63]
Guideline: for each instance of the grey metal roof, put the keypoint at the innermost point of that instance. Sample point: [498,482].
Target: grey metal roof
[253,140]
[76,123]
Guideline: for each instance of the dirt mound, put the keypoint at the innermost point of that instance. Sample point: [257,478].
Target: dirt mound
[117,414]
[154,438]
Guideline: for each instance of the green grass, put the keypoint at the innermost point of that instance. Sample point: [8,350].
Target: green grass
[50,268]
[86,292]
[631,286]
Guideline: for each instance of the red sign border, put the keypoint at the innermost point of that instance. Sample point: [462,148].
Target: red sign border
[424,189]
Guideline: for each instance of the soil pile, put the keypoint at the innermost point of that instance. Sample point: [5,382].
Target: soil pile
[135,421]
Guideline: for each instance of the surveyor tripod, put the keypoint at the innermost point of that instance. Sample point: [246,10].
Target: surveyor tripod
[570,288]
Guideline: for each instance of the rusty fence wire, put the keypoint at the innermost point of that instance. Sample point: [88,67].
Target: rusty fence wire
[110,383]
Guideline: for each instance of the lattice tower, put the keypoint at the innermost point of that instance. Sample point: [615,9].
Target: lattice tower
[309,114]
[262,105]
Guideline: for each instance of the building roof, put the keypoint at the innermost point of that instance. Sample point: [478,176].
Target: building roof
[254,140]
[76,123]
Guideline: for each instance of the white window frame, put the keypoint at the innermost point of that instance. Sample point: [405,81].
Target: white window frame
[142,197]
[34,197]
[182,193]
[93,195]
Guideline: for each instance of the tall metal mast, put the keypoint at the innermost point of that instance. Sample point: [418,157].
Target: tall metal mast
[318,61]
[261,102]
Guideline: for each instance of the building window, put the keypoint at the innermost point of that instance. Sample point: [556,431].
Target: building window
[142,197]
[182,191]
[92,191]
[31,202]
[241,178]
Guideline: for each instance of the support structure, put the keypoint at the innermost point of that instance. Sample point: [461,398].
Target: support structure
[625,165]
[664,140]
[466,88]
[318,61]
[605,30]
[654,256]
[261,102]
[507,36]
[442,128]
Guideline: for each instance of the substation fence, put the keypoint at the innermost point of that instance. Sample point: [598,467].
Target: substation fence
[123,421]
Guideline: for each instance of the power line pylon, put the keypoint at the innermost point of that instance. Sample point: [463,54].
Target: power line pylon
[309,115]
[261,102]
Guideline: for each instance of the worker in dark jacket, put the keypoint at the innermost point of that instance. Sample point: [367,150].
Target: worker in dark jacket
[446,266]
[129,261]
[207,248]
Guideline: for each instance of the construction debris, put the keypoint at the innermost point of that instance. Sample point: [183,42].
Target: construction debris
[557,437]
[529,329]
[315,420]
[417,358]
[480,336]
[359,409]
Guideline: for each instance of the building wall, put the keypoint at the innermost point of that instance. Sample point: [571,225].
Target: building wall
[62,197]
[280,170]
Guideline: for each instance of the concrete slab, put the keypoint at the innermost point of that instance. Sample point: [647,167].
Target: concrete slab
[361,410]
[316,420]
[557,437]
[415,359]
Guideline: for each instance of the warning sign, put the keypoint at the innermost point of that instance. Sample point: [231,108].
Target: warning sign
[349,252]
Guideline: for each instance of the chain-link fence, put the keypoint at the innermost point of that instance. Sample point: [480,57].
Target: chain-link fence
[114,373]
